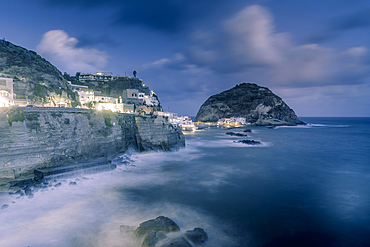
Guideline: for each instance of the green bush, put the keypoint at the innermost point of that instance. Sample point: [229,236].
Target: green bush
[15,114]
[107,120]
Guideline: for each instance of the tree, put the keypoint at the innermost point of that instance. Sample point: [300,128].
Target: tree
[90,104]
[134,73]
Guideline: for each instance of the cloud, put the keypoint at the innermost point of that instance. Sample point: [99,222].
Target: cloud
[248,43]
[62,50]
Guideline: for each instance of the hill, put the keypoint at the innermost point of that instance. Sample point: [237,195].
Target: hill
[34,77]
[257,104]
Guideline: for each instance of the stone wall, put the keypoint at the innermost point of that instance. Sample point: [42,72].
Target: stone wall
[56,137]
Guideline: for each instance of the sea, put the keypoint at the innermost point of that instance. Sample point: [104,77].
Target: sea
[307,185]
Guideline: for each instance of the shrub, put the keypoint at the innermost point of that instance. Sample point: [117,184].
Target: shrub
[15,114]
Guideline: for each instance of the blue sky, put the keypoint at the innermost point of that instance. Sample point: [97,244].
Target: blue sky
[313,54]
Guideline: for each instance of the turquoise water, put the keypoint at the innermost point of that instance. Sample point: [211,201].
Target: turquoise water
[303,186]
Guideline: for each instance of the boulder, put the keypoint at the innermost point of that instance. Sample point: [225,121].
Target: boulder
[160,223]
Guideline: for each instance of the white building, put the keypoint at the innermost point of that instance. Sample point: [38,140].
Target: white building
[6,92]
[232,121]
[103,98]
[85,94]
[184,122]
[103,76]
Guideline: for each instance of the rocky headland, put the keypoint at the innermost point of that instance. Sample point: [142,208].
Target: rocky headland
[33,138]
[257,104]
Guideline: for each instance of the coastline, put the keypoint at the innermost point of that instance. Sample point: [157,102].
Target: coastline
[54,137]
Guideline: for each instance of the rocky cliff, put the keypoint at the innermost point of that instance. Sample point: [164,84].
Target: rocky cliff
[257,104]
[49,137]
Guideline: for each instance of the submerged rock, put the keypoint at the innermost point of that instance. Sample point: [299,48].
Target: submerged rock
[236,134]
[250,142]
[247,130]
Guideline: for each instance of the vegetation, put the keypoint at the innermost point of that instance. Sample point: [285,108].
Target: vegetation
[15,114]
[107,119]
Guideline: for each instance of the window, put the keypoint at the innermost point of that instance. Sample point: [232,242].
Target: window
[2,82]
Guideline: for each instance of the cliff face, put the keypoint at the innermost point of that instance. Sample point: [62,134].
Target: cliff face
[257,104]
[50,137]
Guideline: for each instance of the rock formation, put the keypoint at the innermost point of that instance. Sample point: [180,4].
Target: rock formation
[154,233]
[33,137]
[257,104]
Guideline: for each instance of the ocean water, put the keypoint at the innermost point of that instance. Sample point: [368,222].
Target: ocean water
[303,186]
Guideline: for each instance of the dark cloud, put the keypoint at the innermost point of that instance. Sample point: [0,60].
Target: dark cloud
[170,16]
[356,20]
[103,40]
[340,25]
[159,15]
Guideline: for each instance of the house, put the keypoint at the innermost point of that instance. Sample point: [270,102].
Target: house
[6,92]
[132,96]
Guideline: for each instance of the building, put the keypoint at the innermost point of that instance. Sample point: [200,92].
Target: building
[102,76]
[131,96]
[85,94]
[6,92]
[101,98]
[232,121]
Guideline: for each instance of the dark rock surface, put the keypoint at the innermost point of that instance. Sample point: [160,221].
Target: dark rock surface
[257,104]
[249,142]
[235,134]
[247,130]
[152,238]
[197,235]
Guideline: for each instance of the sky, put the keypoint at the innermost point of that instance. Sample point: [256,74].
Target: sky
[314,54]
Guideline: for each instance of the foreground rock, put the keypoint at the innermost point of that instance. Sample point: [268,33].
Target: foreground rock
[160,223]
[155,233]
[257,104]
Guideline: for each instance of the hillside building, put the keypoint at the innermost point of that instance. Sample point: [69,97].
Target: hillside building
[102,76]
[6,92]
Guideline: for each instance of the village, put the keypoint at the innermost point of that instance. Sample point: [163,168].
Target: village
[131,101]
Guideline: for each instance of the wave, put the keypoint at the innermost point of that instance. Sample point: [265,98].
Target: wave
[311,125]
